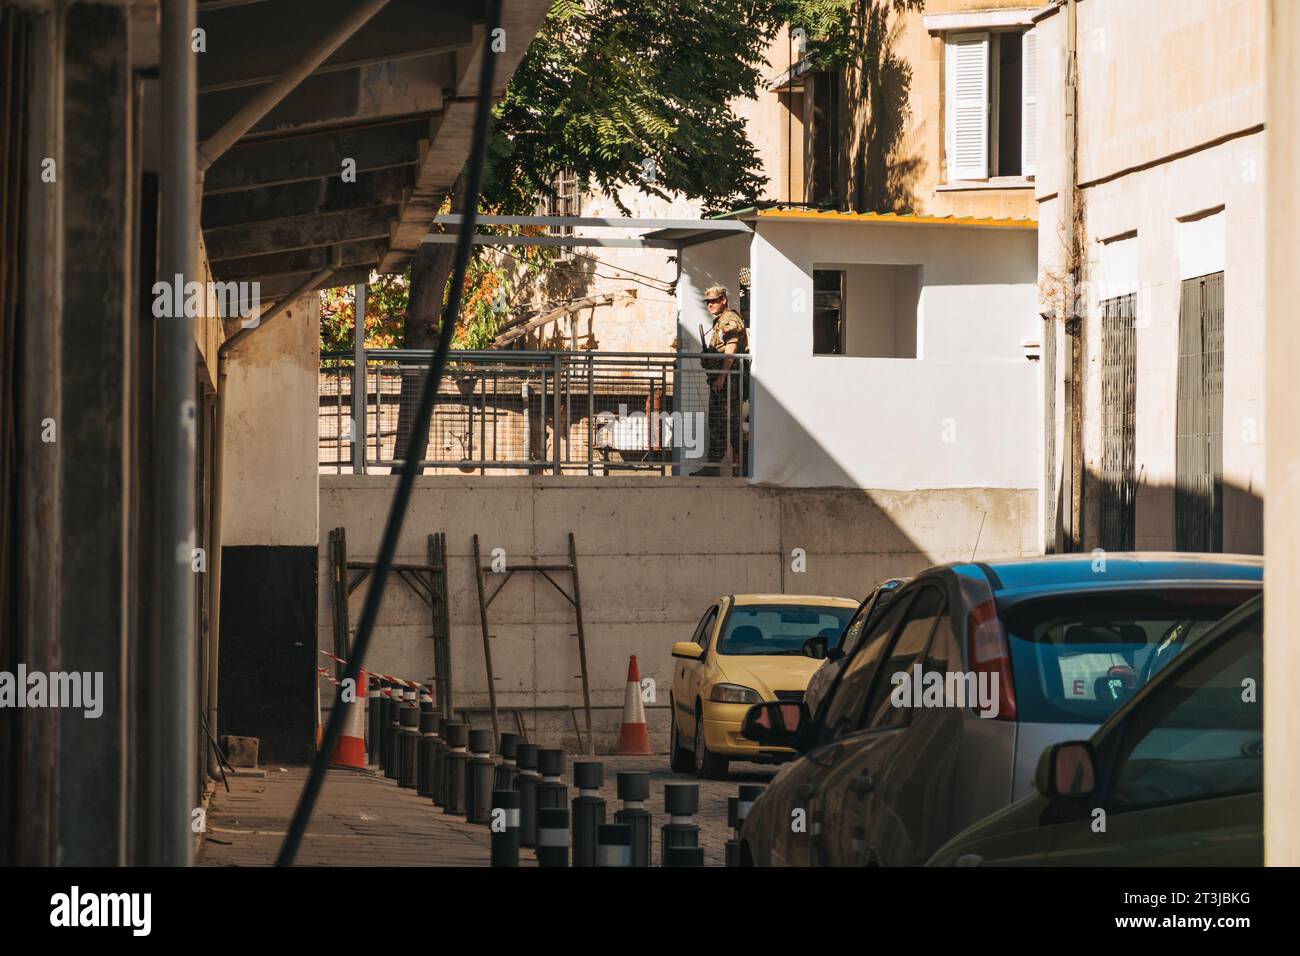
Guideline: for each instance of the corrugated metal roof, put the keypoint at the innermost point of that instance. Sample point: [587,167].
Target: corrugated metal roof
[813,215]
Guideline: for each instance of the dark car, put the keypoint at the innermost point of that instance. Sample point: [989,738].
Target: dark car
[835,649]
[941,714]
[1174,778]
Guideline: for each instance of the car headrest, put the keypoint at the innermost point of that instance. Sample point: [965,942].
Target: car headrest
[746,634]
[1102,634]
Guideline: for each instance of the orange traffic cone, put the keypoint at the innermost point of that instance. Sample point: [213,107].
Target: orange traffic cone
[633,736]
[351,750]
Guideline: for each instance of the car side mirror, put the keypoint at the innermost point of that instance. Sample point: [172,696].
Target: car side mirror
[688,650]
[815,647]
[834,653]
[774,723]
[1067,770]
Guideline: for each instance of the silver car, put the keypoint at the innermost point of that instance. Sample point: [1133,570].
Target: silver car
[939,717]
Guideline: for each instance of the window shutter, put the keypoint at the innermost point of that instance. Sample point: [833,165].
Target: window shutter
[1029,105]
[968,106]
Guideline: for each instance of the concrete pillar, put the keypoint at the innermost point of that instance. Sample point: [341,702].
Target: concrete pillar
[97,317]
[1282,442]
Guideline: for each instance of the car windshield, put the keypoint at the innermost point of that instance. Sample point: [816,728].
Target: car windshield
[1076,658]
[770,629]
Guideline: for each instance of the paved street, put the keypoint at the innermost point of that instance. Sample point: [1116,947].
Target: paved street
[367,820]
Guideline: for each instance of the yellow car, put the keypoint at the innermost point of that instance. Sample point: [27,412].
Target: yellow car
[748,648]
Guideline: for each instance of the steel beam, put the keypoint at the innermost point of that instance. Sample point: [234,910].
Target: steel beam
[449,238]
[601,222]
[265,163]
[266,100]
[382,188]
[402,30]
[307,232]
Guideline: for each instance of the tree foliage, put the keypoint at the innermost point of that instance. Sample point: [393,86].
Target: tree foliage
[643,93]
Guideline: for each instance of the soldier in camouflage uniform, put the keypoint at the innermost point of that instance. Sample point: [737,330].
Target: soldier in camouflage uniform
[727,337]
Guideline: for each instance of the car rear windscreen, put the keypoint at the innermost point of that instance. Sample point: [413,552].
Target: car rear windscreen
[1076,658]
[780,629]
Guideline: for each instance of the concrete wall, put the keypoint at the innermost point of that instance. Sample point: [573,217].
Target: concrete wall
[268,583]
[651,556]
[271,431]
[963,414]
[1170,105]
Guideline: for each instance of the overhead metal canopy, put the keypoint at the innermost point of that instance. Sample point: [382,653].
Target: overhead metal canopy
[390,100]
[668,234]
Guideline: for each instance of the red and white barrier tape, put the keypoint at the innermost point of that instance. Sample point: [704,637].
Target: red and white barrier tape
[414,685]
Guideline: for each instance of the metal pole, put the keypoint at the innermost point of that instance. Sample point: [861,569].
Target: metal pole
[170,731]
[582,643]
[214,560]
[555,412]
[487,649]
[256,108]
[359,381]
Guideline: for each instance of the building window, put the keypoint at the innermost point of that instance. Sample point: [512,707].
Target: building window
[1118,423]
[1198,452]
[824,143]
[828,312]
[866,310]
[564,200]
[991,113]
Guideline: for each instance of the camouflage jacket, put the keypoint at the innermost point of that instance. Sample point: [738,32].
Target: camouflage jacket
[727,328]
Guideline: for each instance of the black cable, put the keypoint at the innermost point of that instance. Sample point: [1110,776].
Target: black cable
[412,464]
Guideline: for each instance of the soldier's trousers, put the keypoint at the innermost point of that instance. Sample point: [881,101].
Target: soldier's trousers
[724,422]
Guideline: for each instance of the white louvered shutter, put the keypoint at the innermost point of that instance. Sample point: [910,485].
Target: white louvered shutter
[1029,105]
[968,106]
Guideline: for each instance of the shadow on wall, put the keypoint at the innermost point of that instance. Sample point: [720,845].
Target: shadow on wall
[1214,517]
[882,175]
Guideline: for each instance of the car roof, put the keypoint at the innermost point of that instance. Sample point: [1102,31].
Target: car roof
[794,600]
[1010,577]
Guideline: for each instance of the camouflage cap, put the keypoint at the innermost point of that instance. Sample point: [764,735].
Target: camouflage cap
[715,291]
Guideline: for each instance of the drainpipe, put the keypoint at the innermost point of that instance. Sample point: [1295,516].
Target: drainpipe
[218,493]
[1072,466]
[170,733]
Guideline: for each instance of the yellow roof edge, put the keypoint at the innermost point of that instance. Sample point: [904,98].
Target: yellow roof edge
[911,219]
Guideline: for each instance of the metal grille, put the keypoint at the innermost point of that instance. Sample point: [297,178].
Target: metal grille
[1118,398]
[527,412]
[790,696]
[1198,482]
[1049,434]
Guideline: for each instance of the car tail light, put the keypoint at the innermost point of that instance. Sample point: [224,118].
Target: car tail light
[989,653]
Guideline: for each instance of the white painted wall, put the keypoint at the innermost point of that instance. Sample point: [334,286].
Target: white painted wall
[965,414]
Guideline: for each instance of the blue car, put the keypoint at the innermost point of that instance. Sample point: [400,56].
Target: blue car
[939,717]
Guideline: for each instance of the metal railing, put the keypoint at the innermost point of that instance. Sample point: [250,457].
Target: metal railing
[560,413]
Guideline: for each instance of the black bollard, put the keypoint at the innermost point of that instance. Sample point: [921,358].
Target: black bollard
[504,825]
[613,844]
[478,777]
[430,721]
[634,791]
[526,781]
[392,764]
[504,777]
[551,791]
[588,810]
[457,759]
[737,810]
[552,836]
[387,703]
[684,856]
[681,802]
[408,743]
[374,714]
